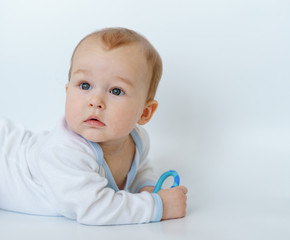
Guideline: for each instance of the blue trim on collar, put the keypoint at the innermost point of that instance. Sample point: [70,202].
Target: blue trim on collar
[99,152]
[137,141]
[111,181]
[102,162]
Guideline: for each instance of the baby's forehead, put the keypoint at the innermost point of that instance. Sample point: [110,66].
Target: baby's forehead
[93,49]
[96,41]
[88,43]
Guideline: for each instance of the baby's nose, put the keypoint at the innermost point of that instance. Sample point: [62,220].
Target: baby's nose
[97,102]
[100,106]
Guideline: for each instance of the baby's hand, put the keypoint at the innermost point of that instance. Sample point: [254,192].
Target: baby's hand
[174,202]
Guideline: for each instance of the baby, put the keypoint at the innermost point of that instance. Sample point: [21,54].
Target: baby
[93,166]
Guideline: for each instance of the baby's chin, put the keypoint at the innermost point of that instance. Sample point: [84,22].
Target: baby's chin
[90,134]
[100,135]
[104,139]
[93,137]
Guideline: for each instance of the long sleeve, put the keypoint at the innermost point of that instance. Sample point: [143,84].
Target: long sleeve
[77,191]
[58,173]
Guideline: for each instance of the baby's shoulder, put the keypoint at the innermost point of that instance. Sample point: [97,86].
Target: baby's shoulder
[141,133]
[141,139]
[63,140]
[62,146]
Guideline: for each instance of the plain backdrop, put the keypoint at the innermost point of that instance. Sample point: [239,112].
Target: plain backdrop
[223,121]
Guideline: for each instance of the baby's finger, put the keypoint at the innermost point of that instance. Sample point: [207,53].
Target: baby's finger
[183,189]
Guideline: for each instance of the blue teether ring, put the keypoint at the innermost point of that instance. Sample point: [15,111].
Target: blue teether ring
[164,176]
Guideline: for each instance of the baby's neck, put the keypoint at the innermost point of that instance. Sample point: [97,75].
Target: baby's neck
[117,147]
[119,157]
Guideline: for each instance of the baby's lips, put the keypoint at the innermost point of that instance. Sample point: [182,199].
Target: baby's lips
[94,121]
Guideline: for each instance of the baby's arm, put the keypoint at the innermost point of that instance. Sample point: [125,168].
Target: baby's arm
[76,190]
[173,200]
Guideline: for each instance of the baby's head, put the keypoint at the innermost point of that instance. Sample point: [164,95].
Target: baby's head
[113,79]
[111,38]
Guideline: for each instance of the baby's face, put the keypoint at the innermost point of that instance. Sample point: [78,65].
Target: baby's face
[107,91]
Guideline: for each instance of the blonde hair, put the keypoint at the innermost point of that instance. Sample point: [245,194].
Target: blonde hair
[117,37]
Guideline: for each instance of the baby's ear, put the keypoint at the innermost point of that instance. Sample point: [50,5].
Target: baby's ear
[149,109]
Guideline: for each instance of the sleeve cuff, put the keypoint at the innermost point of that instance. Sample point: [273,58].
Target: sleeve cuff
[158,212]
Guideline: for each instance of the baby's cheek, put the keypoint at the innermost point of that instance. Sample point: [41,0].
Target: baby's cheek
[124,125]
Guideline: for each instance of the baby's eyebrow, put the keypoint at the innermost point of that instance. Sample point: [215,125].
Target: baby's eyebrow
[125,80]
[85,71]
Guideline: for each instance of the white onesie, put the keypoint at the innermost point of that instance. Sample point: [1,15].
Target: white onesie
[59,173]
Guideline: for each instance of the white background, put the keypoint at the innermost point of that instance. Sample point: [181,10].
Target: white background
[223,121]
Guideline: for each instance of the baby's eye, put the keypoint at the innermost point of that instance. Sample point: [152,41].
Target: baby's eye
[85,86]
[117,91]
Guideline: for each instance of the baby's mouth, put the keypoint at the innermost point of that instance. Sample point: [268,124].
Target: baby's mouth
[95,122]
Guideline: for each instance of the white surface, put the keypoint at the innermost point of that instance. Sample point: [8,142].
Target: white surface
[234,193]
[223,121]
